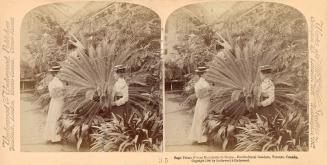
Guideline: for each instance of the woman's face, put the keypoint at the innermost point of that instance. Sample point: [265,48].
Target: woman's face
[115,76]
[200,74]
[53,74]
[264,75]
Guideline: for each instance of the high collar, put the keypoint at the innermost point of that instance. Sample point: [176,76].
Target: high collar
[201,79]
[120,79]
[266,79]
[55,78]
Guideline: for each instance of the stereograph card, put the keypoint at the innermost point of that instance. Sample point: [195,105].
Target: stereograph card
[162,82]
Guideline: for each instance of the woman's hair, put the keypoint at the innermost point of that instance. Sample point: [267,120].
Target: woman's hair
[53,73]
[120,74]
[266,71]
[200,73]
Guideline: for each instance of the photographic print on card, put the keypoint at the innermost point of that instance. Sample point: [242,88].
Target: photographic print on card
[236,78]
[90,78]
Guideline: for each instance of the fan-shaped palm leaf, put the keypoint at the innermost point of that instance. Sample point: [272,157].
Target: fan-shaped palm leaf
[89,73]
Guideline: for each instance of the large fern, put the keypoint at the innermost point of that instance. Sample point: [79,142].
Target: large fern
[135,133]
[288,134]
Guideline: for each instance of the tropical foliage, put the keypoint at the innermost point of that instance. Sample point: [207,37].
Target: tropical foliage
[132,31]
[288,134]
[235,84]
[88,46]
[44,100]
[268,22]
[49,43]
[279,27]
[138,133]
[220,131]
[273,34]
[189,92]
[198,46]
[235,79]
[89,72]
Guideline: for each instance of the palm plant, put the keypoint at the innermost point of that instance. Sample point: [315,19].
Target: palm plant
[256,41]
[189,92]
[130,29]
[221,131]
[136,133]
[44,101]
[278,38]
[275,24]
[235,85]
[89,72]
[288,134]
[43,93]
[48,42]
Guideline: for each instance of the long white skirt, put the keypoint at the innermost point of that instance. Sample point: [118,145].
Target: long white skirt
[200,113]
[54,113]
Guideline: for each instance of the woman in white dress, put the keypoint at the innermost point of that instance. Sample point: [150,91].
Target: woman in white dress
[120,93]
[119,97]
[201,108]
[266,95]
[56,90]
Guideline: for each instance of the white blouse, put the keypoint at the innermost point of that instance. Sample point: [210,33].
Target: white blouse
[201,88]
[120,89]
[56,88]
[267,91]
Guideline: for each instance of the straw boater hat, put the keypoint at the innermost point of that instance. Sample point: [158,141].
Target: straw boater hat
[55,68]
[265,69]
[201,69]
[120,69]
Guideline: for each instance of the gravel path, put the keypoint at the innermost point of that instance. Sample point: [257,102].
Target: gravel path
[32,128]
[177,125]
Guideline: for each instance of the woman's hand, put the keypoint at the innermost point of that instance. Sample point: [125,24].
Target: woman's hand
[259,104]
[113,104]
